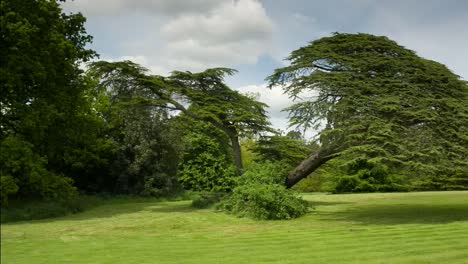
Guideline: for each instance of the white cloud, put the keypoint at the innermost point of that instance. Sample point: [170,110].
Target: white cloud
[232,33]
[141,60]
[275,99]
[235,21]
[166,35]
[122,7]
[181,35]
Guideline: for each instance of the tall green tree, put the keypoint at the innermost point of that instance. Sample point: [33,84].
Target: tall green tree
[40,50]
[148,147]
[379,102]
[43,97]
[214,102]
[210,99]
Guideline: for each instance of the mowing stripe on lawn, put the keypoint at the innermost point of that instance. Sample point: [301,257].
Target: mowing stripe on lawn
[361,228]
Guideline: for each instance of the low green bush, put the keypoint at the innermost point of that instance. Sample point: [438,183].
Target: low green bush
[261,195]
[264,202]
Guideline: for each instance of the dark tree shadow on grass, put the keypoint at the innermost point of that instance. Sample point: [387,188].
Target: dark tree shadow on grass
[403,214]
[313,204]
[116,209]
[179,208]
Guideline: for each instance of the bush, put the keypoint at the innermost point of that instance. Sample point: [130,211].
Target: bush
[207,165]
[264,201]
[369,175]
[260,194]
[7,187]
[265,173]
[24,173]
[347,184]
[207,173]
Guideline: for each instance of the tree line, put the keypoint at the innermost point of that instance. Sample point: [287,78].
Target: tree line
[387,119]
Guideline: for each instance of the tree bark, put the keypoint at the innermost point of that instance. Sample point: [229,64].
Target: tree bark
[309,165]
[236,151]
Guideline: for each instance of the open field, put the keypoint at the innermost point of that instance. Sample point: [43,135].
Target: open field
[428,227]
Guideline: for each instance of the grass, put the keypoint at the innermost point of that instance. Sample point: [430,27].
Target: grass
[428,227]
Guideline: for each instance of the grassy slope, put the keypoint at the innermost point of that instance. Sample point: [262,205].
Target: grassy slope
[358,228]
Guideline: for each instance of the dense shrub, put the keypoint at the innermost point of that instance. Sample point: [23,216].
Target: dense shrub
[7,187]
[347,184]
[260,194]
[369,175]
[264,201]
[207,173]
[206,165]
[265,173]
[159,184]
[24,173]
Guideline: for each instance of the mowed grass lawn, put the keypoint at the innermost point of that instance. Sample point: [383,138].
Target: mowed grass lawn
[427,227]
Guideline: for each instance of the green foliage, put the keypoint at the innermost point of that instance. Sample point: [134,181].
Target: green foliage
[24,173]
[264,202]
[350,184]
[42,86]
[313,183]
[324,179]
[248,156]
[373,175]
[40,51]
[8,187]
[206,163]
[260,194]
[278,148]
[148,151]
[47,102]
[265,173]
[207,172]
[228,110]
[143,143]
[375,98]
[210,99]
[213,101]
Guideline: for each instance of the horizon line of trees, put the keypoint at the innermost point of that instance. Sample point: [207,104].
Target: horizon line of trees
[388,120]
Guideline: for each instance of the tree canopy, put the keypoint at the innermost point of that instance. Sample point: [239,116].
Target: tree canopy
[378,101]
[210,99]
[46,123]
[383,114]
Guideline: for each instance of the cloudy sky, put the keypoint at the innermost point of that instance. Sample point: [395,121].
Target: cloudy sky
[254,36]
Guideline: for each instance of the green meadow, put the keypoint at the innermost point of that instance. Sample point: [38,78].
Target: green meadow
[424,227]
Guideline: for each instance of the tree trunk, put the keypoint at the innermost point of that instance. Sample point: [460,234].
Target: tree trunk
[236,151]
[308,166]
